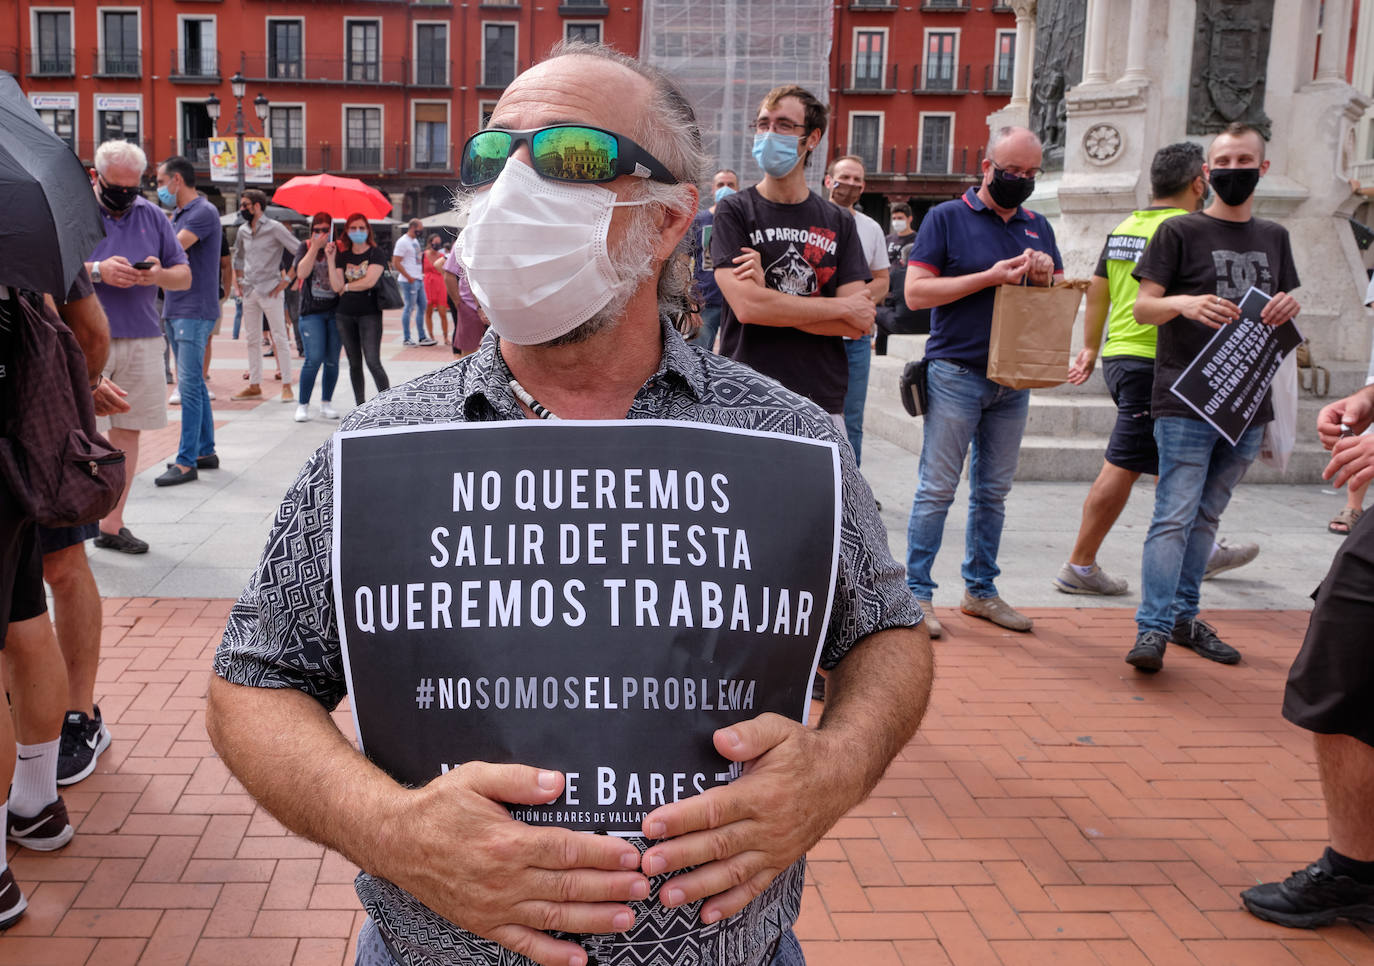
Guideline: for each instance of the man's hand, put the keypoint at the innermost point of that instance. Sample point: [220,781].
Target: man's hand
[1355,411]
[1212,311]
[458,851]
[1009,271]
[1352,462]
[1041,268]
[859,312]
[1083,365]
[741,836]
[749,267]
[1279,309]
[152,275]
[108,398]
[117,271]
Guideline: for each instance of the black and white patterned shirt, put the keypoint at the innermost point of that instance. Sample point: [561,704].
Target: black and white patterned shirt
[282,633]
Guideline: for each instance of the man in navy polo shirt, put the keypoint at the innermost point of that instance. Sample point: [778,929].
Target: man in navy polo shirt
[964,250]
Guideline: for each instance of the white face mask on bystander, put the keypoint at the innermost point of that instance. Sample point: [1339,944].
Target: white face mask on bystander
[535,254]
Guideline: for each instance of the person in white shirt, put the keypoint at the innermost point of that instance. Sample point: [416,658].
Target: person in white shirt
[405,260]
[844,181]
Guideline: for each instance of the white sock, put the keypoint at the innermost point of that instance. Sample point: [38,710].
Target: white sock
[35,778]
[4,823]
[1215,548]
[1083,571]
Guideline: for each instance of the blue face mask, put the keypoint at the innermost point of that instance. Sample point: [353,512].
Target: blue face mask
[776,153]
[724,191]
[357,237]
[166,196]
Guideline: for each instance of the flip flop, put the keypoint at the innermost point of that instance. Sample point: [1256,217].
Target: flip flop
[1342,523]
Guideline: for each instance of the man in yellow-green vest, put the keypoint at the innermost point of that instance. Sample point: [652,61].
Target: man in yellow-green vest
[1177,186]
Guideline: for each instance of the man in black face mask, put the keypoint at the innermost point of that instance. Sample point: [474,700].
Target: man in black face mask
[964,250]
[1192,274]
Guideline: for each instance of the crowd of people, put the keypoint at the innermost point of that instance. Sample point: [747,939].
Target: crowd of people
[779,292]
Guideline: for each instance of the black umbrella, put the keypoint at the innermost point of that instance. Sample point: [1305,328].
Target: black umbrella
[52,222]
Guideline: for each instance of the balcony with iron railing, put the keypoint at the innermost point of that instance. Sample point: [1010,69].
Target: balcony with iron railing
[497,76]
[894,162]
[434,160]
[584,8]
[194,64]
[260,68]
[49,62]
[995,81]
[873,6]
[941,80]
[945,6]
[118,63]
[870,78]
[432,73]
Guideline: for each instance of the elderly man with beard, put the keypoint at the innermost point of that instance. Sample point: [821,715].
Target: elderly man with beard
[448,876]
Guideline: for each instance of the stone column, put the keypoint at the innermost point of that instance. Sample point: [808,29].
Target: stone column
[1095,59]
[1135,44]
[1025,53]
[1335,38]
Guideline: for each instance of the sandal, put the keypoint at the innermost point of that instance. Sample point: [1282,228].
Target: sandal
[1342,522]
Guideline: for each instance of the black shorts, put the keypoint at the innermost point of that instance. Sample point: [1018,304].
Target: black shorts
[1132,446]
[21,567]
[1331,684]
[53,539]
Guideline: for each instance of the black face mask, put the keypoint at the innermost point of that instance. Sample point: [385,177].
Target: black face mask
[118,198]
[1235,185]
[1009,191]
[246,215]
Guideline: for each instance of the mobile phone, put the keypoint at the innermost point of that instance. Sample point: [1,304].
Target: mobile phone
[144,265]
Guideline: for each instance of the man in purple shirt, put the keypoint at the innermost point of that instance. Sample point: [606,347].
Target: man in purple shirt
[138,255]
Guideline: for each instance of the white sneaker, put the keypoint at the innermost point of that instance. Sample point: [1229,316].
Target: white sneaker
[302,414]
[211,392]
[1098,582]
[174,399]
[328,411]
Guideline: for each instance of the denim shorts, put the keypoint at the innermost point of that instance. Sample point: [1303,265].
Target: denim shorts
[1132,446]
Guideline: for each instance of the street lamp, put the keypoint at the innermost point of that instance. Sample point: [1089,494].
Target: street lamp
[240,87]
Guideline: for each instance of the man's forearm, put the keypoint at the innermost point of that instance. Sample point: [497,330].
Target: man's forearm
[86,318]
[288,754]
[935,290]
[875,697]
[1095,313]
[757,305]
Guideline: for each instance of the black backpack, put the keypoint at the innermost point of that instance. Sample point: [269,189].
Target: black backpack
[61,471]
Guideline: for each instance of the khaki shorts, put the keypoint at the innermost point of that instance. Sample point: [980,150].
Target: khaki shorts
[135,365]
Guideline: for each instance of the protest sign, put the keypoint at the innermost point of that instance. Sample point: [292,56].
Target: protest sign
[1227,382]
[592,597]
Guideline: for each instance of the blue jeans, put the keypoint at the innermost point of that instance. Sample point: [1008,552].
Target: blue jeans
[710,325]
[1198,470]
[321,338]
[965,407]
[238,314]
[197,422]
[413,299]
[860,352]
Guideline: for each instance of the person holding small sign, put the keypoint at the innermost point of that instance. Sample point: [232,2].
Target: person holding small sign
[581,329]
[1194,271]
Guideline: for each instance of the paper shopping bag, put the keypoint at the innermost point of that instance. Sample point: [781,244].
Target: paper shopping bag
[1032,327]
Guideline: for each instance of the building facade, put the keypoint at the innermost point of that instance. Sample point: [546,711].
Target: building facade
[386,90]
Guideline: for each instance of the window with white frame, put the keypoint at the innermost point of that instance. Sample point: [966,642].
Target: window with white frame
[937,131]
[119,46]
[286,128]
[486,110]
[940,65]
[118,117]
[52,42]
[58,112]
[284,54]
[865,139]
[587,33]
[1006,59]
[197,56]
[870,58]
[363,51]
[498,54]
[431,139]
[431,54]
[363,138]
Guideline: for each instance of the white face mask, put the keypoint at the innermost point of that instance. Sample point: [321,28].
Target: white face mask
[535,254]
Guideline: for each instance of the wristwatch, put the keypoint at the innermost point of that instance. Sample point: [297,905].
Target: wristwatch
[95,272]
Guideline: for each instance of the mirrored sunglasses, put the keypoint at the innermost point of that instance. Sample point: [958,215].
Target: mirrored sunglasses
[576,153]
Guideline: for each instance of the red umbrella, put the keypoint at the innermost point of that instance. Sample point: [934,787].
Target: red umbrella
[340,197]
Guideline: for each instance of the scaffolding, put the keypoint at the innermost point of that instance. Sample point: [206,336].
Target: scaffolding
[728,54]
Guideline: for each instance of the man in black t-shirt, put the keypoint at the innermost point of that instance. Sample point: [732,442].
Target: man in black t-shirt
[789,264]
[903,233]
[1192,274]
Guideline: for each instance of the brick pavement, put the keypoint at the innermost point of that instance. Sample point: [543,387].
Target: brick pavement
[1055,808]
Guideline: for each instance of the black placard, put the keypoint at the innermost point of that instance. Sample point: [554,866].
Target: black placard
[1226,383]
[593,597]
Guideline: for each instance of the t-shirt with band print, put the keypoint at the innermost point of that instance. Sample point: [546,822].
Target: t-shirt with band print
[1125,245]
[808,249]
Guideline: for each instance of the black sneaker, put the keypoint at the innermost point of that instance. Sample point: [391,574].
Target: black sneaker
[44,832]
[1148,653]
[1201,637]
[83,739]
[1314,896]
[12,901]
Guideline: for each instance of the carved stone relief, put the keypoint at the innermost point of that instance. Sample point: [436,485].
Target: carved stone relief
[1230,59]
[1059,29]
[1102,143]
